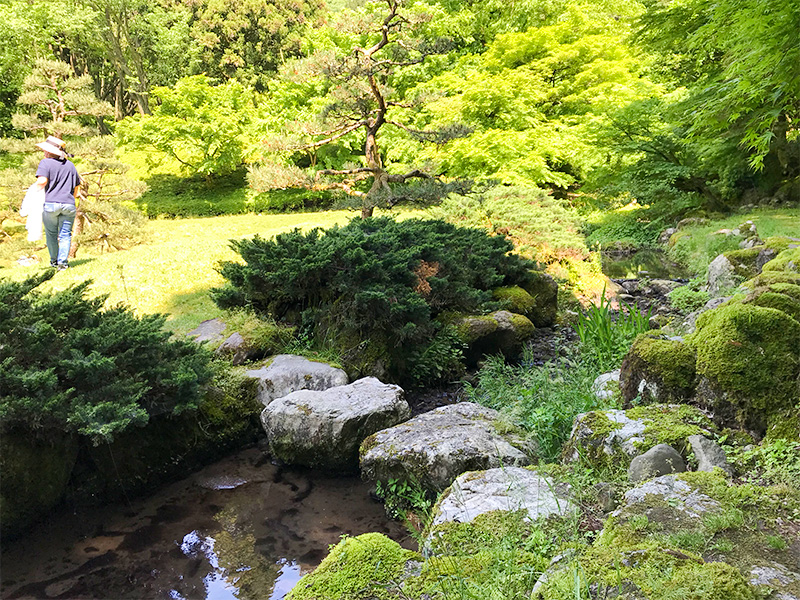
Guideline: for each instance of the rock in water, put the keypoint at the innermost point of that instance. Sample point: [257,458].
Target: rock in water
[287,373]
[323,429]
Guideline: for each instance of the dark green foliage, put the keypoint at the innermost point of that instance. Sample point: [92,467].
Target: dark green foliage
[376,281]
[67,364]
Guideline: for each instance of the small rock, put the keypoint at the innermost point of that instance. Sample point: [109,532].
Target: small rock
[720,275]
[709,455]
[606,384]
[678,494]
[287,373]
[606,496]
[659,460]
[210,330]
[662,287]
[236,348]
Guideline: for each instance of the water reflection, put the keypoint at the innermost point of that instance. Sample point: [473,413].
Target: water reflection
[203,538]
[653,264]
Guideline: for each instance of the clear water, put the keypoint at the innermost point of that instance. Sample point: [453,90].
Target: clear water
[652,264]
[240,529]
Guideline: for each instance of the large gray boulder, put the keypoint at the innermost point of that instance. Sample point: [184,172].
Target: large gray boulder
[323,429]
[436,447]
[287,373]
[505,489]
[660,460]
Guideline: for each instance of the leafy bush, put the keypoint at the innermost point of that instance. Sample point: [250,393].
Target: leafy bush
[688,298]
[67,364]
[376,286]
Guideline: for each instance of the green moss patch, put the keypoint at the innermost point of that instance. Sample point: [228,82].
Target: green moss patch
[671,424]
[356,569]
[752,354]
[668,364]
[515,299]
[788,260]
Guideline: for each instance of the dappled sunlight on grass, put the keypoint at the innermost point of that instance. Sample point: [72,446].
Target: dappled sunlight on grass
[174,271]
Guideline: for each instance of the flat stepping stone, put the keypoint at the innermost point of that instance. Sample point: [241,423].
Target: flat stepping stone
[506,489]
[436,447]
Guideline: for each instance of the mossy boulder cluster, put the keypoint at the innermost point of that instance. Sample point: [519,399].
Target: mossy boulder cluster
[742,362]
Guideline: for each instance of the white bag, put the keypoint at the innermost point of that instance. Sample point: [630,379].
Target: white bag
[33,207]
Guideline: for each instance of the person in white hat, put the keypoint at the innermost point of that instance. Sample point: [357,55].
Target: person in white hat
[60,181]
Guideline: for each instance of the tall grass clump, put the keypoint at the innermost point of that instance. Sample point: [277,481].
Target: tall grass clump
[606,336]
[542,400]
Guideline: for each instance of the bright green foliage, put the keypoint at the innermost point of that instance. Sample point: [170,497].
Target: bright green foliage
[358,568]
[606,337]
[206,128]
[248,39]
[68,365]
[373,283]
[688,298]
[542,400]
[533,97]
[543,228]
[741,58]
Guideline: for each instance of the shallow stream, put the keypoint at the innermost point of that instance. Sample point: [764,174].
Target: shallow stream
[241,528]
[652,264]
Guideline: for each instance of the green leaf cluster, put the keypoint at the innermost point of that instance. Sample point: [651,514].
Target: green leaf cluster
[375,283]
[205,127]
[67,364]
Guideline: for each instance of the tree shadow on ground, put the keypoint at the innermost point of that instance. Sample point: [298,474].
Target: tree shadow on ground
[173,196]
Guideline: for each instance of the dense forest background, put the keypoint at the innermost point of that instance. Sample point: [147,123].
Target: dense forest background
[680,106]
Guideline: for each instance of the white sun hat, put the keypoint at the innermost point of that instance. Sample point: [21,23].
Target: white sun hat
[52,148]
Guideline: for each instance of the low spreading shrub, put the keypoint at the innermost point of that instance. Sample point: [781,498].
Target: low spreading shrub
[376,287]
[68,364]
[690,297]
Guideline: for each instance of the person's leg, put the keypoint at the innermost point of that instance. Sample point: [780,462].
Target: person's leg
[50,222]
[66,218]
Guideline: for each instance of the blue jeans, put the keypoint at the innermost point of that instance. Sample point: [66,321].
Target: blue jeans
[57,219]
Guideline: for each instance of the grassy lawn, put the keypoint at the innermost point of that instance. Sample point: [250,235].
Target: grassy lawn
[173,272]
[698,246]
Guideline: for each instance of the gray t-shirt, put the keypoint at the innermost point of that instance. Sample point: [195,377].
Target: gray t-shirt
[62,179]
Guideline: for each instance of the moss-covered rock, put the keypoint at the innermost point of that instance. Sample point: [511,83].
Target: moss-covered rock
[544,290]
[748,357]
[693,535]
[611,438]
[788,260]
[516,300]
[501,332]
[658,370]
[369,566]
[34,476]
